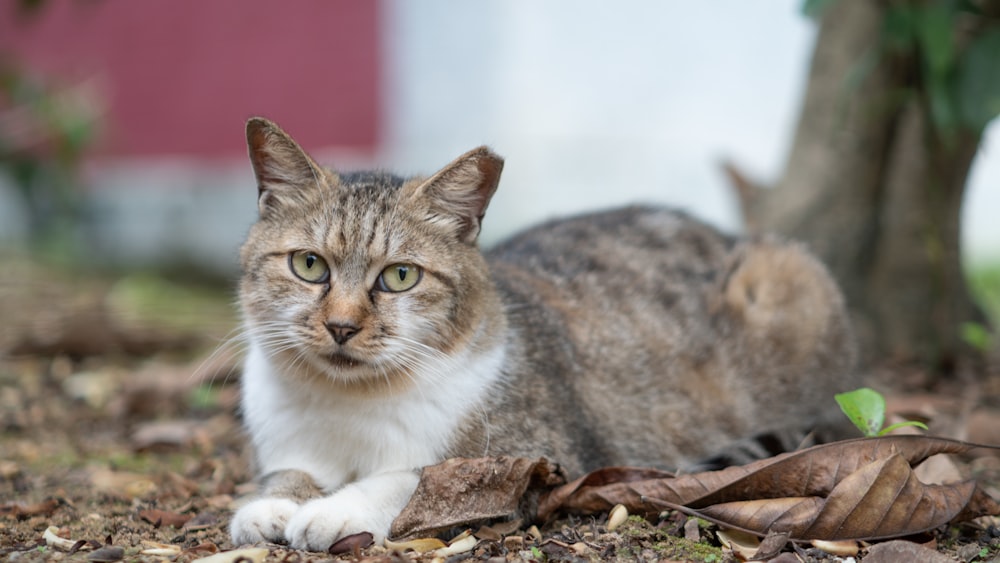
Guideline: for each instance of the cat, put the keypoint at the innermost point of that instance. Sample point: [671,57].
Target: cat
[381,339]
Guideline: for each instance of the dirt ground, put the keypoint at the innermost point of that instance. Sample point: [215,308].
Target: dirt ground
[119,429]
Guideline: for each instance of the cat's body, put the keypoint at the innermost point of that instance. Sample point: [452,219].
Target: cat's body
[381,340]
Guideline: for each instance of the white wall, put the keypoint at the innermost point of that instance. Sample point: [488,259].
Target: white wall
[597,103]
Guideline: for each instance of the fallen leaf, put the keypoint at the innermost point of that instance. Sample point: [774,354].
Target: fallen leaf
[809,472]
[462,492]
[498,530]
[202,521]
[743,545]
[351,543]
[164,435]
[899,550]
[849,490]
[160,549]
[461,543]
[842,548]
[158,517]
[22,510]
[771,546]
[122,484]
[880,500]
[489,534]
[205,547]
[9,470]
[107,554]
[420,545]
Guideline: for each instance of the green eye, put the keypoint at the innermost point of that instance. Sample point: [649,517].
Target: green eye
[308,266]
[399,277]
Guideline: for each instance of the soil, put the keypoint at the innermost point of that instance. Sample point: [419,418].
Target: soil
[119,429]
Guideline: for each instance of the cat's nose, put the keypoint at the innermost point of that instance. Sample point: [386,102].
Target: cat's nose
[342,332]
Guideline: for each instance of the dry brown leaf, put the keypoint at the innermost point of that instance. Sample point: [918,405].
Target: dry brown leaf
[881,500]
[772,544]
[813,471]
[351,543]
[122,484]
[899,550]
[419,545]
[160,549]
[22,510]
[854,489]
[158,517]
[467,491]
[498,530]
[202,521]
[107,554]
[743,545]
[842,548]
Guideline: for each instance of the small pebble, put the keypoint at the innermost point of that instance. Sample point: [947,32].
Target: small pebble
[691,531]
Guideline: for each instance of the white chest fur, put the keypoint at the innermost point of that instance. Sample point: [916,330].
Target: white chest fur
[341,438]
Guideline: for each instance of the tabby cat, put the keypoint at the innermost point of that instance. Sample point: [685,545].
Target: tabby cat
[381,339]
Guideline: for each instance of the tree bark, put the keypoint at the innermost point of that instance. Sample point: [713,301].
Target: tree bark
[876,191]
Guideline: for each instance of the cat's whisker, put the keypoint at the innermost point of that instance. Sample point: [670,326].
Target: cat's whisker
[227,344]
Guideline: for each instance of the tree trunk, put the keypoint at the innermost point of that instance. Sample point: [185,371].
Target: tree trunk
[876,191]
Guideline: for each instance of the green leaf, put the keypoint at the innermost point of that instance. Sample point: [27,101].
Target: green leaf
[943,106]
[977,336]
[899,27]
[892,427]
[979,81]
[865,408]
[933,25]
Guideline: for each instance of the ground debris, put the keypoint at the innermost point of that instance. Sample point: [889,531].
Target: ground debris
[147,449]
[24,510]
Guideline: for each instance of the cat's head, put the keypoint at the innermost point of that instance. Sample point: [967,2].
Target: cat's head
[364,279]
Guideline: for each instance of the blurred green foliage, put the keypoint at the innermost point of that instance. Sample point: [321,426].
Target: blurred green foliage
[984,282]
[956,44]
[45,129]
[961,76]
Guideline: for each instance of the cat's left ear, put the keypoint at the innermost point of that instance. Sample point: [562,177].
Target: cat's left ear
[458,195]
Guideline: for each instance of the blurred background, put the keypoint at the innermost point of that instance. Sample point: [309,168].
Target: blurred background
[122,144]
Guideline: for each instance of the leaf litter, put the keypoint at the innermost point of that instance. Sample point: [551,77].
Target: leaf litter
[863,489]
[112,452]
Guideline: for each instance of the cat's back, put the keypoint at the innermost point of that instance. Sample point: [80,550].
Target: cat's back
[643,336]
[635,251]
[621,280]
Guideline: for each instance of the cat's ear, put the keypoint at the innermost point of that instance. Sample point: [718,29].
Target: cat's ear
[282,168]
[457,196]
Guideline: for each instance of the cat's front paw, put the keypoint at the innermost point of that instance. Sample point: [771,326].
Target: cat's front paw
[321,522]
[262,520]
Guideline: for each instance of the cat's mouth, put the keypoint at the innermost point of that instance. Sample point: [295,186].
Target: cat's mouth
[340,360]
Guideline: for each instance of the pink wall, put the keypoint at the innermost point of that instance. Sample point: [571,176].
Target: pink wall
[181,76]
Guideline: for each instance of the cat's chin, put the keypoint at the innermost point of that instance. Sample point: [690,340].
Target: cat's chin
[343,361]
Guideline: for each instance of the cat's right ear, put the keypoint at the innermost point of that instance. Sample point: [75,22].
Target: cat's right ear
[282,168]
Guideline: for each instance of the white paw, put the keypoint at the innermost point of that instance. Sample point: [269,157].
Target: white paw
[262,520]
[321,522]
